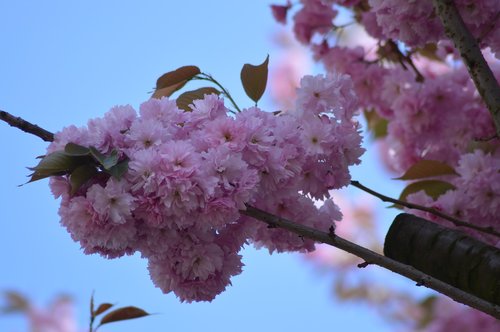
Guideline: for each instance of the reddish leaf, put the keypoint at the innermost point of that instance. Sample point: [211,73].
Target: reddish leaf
[102,308]
[15,302]
[172,81]
[433,188]
[187,98]
[254,79]
[123,314]
[426,169]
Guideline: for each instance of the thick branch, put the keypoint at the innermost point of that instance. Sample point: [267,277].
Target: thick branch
[457,222]
[371,257]
[481,74]
[26,126]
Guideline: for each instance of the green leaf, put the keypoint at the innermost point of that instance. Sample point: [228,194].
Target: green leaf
[123,314]
[187,98]
[56,163]
[119,169]
[72,149]
[426,169]
[254,79]
[102,308]
[433,188]
[80,176]
[172,81]
[107,161]
[376,124]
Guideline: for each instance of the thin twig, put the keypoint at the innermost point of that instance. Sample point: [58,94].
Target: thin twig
[478,68]
[457,222]
[372,257]
[26,126]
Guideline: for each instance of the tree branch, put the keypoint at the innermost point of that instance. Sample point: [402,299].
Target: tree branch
[480,72]
[26,126]
[371,257]
[457,222]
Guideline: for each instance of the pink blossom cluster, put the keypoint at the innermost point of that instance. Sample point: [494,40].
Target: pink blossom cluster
[452,316]
[190,173]
[414,23]
[439,116]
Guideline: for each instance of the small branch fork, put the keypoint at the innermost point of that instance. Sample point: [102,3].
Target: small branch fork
[369,257]
[478,68]
[455,221]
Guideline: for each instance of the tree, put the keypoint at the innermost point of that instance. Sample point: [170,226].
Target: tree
[115,172]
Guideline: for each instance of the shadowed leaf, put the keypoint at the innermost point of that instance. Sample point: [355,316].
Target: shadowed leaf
[254,79]
[123,314]
[72,149]
[172,81]
[433,188]
[80,176]
[187,98]
[102,308]
[107,161]
[426,169]
[119,169]
[56,163]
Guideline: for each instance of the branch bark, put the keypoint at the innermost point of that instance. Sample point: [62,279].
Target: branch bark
[371,257]
[26,126]
[478,68]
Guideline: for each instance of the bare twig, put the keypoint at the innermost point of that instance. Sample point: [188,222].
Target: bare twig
[419,277]
[26,126]
[457,222]
[478,68]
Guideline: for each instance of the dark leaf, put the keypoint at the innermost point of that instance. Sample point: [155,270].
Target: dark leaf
[433,188]
[107,161]
[187,98]
[426,169]
[15,302]
[119,169]
[123,314]
[429,51]
[81,175]
[72,149]
[172,81]
[254,79]
[56,163]
[102,308]
[376,124]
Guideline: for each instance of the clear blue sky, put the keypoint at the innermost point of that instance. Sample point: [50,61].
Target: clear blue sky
[63,62]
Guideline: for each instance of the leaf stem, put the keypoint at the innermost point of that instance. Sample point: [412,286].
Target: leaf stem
[207,77]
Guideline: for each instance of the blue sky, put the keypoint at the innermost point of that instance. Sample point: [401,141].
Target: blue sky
[63,62]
